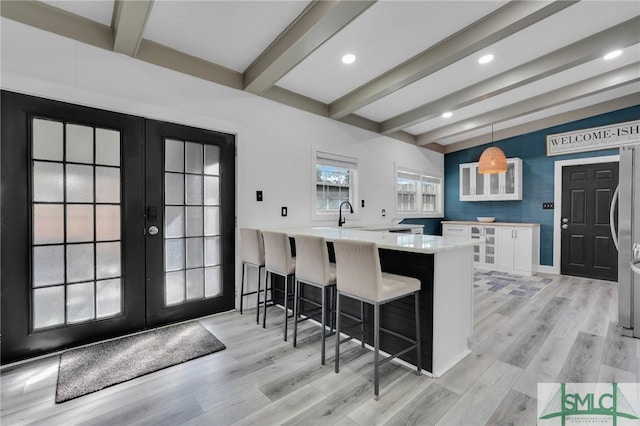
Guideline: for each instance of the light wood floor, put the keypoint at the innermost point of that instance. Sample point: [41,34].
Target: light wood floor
[566,334]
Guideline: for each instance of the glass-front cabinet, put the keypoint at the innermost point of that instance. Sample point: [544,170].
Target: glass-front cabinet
[484,254]
[491,187]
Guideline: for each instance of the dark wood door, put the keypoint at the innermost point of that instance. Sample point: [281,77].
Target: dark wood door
[191,205]
[586,244]
[78,264]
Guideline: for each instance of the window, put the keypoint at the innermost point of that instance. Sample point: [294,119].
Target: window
[335,182]
[418,193]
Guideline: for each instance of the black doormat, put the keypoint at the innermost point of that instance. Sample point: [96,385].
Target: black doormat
[89,369]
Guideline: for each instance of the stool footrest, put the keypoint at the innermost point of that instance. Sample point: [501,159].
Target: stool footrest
[397,354]
[393,333]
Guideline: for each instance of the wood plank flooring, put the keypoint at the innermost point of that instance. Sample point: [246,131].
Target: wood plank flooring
[567,333]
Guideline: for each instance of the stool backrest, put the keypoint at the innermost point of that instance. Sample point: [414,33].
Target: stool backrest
[251,246]
[358,270]
[277,253]
[312,259]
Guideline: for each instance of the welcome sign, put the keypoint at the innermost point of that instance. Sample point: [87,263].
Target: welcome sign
[593,139]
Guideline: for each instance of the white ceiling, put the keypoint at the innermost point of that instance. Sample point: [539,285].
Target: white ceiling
[415,59]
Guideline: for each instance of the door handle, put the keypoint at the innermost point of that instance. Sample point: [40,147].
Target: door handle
[565,226]
[565,220]
[614,233]
[153,230]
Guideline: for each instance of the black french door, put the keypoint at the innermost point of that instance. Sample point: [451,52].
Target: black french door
[78,264]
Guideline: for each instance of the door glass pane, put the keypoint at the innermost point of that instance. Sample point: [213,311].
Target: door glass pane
[81,215]
[108,298]
[47,140]
[174,188]
[80,302]
[466,181]
[174,254]
[107,185]
[80,262]
[194,190]
[174,288]
[185,278]
[79,184]
[79,223]
[194,158]
[108,147]
[48,265]
[510,179]
[211,191]
[195,252]
[212,285]
[107,260]
[479,182]
[48,307]
[48,223]
[195,284]
[494,183]
[79,144]
[211,160]
[47,182]
[174,156]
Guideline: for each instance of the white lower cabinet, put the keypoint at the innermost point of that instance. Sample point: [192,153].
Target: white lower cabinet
[507,248]
[516,245]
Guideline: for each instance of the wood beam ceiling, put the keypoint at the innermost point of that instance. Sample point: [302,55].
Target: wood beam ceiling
[128,23]
[507,20]
[320,21]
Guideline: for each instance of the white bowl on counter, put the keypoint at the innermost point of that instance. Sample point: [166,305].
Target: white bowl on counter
[486,219]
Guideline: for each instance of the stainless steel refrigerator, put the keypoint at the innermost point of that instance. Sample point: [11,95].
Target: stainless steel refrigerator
[627,239]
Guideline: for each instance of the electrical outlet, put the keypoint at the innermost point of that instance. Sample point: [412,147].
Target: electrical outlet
[547,206]
[283,211]
[258,195]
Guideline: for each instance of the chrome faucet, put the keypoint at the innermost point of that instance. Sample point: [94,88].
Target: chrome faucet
[340,218]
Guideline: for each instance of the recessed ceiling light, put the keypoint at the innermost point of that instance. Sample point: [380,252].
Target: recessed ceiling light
[485,59]
[613,54]
[348,58]
[447,114]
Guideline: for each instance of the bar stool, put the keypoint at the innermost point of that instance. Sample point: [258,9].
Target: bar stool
[360,277]
[313,268]
[278,261]
[251,254]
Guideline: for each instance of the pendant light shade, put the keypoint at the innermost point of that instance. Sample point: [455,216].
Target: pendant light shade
[492,160]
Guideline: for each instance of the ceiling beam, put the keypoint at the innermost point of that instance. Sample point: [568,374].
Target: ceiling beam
[58,21]
[610,80]
[507,20]
[320,21]
[128,23]
[546,122]
[623,35]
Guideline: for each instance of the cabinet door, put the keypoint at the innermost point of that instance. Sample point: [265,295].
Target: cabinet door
[475,232]
[480,186]
[522,252]
[465,181]
[490,245]
[505,242]
[509,179]
[494,187]
[455,230]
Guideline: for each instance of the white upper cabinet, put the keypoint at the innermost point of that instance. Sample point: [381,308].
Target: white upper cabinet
[491,187]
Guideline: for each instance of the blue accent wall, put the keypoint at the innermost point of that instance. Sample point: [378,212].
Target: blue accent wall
[537,177]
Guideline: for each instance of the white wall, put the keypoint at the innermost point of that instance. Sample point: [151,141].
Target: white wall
[275,142]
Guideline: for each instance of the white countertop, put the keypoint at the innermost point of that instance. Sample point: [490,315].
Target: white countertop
[416,243]
[463,222]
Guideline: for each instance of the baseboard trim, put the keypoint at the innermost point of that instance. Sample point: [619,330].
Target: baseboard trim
[546,269]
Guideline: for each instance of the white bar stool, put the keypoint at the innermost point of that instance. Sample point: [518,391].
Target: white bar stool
[360,277]
[251,254]
[313,268]
[279,261]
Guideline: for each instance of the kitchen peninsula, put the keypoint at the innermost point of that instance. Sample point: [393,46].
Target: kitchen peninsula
[444,266]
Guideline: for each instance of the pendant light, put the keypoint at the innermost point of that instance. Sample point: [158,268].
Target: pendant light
[492,160]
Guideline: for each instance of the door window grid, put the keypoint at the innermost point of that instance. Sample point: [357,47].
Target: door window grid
[192,222]
[75,216]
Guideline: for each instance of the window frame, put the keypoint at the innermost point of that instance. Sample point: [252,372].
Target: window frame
[422,178]
[324,158]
